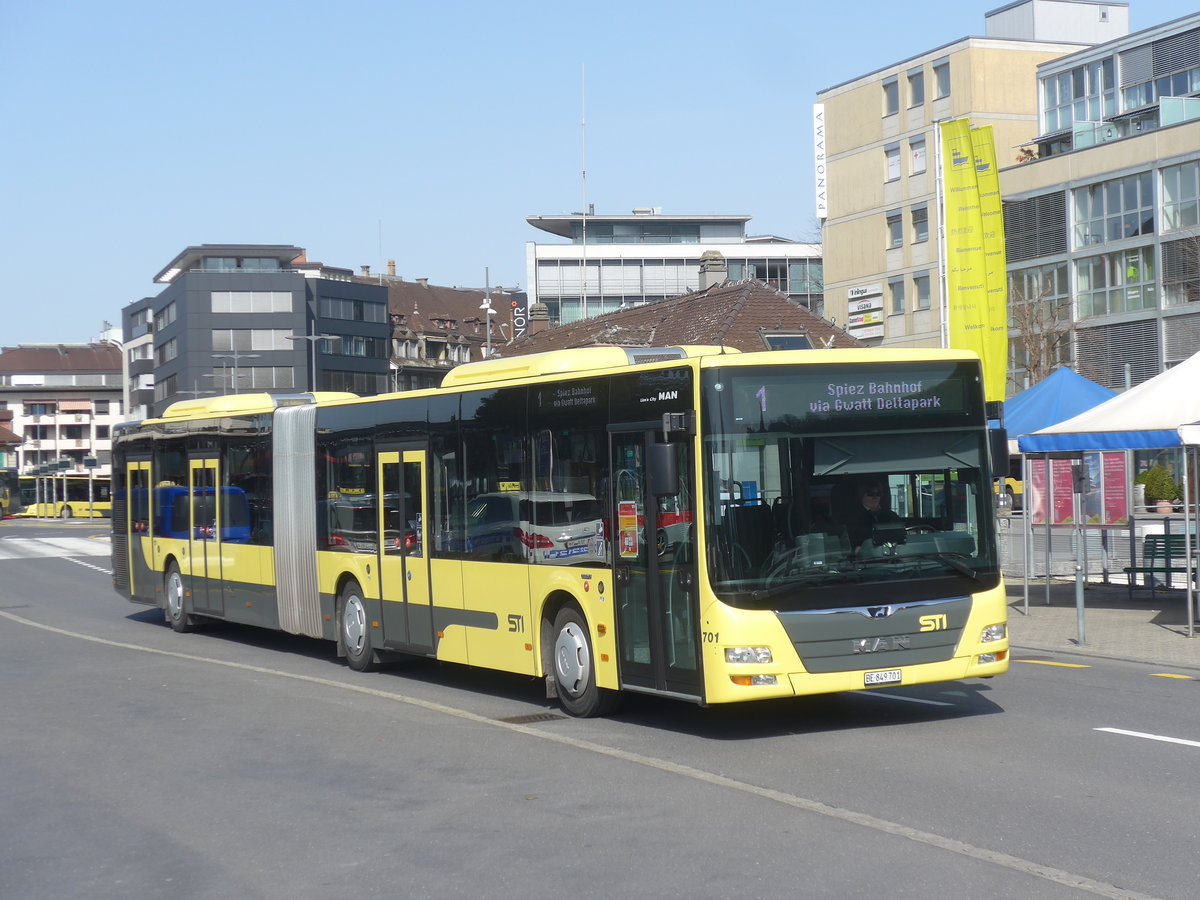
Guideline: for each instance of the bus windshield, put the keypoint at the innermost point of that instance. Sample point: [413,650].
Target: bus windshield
[817,485]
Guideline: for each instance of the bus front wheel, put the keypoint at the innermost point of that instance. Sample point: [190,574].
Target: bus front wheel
[66,512]
[354,630]
[175,611]
[575,670]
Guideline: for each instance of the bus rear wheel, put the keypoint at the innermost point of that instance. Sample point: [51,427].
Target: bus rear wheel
[66,512]
[354,629]
[174,610]
[575,670]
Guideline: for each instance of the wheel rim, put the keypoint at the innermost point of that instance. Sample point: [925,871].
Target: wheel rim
[175,596]
[354,624]
[571,660]
[66,512]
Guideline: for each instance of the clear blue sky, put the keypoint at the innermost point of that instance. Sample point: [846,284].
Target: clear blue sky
[423,132]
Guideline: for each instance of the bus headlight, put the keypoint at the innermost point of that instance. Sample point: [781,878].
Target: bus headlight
[748,655]
[993,633]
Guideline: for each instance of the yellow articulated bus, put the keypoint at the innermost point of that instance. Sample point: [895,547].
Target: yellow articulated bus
[66,497]
[691,522]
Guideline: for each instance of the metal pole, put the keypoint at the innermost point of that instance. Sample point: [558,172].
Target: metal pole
[1189,563]
[1027,525]
[1081,639]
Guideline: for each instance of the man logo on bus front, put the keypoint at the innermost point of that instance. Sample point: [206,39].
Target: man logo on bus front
[879,612]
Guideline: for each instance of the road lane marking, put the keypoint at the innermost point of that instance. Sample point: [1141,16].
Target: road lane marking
[86,565]
[1046,662]
[982,854]
[1150,737]
[906,699]
[1170,675]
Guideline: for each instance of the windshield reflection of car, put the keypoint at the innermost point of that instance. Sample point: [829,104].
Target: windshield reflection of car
[538,526]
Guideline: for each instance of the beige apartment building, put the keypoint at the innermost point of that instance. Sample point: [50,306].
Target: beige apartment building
[880,207]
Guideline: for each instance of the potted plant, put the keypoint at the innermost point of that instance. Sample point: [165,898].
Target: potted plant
[1161,489]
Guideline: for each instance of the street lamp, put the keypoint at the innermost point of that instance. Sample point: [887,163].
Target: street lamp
[235,356]
[487,321]
[312,342]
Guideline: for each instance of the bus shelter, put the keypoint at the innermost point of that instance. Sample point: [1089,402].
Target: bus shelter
[1146,417]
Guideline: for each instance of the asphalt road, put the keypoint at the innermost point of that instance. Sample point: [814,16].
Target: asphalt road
[136,762]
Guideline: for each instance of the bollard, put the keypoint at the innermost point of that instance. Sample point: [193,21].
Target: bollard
[1079,605]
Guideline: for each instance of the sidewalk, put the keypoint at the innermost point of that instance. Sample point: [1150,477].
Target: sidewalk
[1142,630]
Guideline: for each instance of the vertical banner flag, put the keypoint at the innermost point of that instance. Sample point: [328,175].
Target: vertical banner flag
[976,283]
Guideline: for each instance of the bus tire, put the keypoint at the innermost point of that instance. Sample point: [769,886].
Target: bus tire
[175,602]
[66,512]
[575,670]
[354,629]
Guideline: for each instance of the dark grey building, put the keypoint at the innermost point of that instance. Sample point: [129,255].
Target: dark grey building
[239,318]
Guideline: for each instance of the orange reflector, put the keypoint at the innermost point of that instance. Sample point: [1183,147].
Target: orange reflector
[529,646]
[1002,655]
[187,593]
[328,617]
[740,679]
[374,624]
[601,629]
[441,634]
[247,604]
[603,657]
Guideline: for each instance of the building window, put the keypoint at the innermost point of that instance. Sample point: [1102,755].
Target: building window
[1181,197]
[921,291]
[164,316]
[261,378]
[166,352]
[891,155]
[40,409]
[891,97]
[896,296]
[895,229]
[916,155]
[916,87]
[240,264]
[251,301]
[1116,282]
[1114,210]
[1087,93]
[920,223]
[941,79]
[103,432]
[251,339]
[100,407]
[353,310]
[164,388]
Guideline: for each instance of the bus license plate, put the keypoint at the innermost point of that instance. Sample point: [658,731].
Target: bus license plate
[891,676]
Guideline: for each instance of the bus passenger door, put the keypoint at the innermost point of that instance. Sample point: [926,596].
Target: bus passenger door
[403,550]
[139,531]
[654,563]
[204,536]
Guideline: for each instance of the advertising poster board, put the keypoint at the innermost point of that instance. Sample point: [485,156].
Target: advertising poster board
[1062,499]
[1036,493]
[1115,476]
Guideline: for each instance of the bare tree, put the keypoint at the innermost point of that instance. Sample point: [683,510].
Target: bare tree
[1040,326]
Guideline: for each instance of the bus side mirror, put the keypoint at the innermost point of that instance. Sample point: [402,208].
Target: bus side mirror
[998,452]
[662,471]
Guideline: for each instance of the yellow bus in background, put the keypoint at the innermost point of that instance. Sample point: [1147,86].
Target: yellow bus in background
[66,497]
[680,521]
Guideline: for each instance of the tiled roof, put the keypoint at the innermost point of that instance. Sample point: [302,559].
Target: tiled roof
[432,310]
[41,358]
[8,436]
[732,314]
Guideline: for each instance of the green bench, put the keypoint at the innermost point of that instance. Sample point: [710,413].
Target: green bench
[1162,554]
